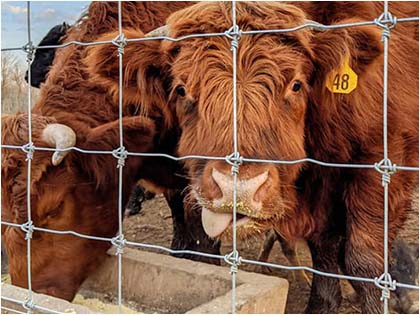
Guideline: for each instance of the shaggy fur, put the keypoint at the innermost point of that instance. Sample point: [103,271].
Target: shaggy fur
[339,211]
[81,193]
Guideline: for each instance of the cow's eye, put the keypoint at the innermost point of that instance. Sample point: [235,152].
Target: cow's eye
[297,85]
[54,212]
[211,47]
[180,90]
[175,51]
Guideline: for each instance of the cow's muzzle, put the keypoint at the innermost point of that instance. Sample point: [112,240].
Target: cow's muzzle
[217,198]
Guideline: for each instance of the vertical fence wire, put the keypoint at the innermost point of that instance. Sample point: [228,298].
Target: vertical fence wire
[29,51]
[385,140]
[121,156]
[235,168]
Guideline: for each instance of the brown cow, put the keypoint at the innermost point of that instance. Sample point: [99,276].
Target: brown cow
[79,192]
[286,112]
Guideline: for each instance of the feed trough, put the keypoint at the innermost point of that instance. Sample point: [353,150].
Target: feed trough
[157,283]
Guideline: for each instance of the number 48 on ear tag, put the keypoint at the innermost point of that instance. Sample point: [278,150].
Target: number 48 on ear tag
[342,80]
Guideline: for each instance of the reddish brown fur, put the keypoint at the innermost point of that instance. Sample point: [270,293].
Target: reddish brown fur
[81,193]
[340,211]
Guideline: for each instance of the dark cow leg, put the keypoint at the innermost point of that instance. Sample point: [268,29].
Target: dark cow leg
[291,254]
[269,240]
[135,202]
[189,234]
[4,260]
[325,291]
[404,269]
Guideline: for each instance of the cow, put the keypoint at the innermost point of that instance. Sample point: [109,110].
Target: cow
[43,58]
[285,111]
[75,191]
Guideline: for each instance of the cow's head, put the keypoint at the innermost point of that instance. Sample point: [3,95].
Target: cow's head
[279,77]
[52,203]
[69,192]
[44,57]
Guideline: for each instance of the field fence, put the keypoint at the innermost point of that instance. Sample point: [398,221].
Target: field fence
[385,167]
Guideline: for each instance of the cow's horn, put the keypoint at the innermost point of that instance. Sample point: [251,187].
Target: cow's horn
[160,31]
[61,137]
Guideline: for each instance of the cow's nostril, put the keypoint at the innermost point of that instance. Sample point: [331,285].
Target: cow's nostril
[259,185]
[261,192]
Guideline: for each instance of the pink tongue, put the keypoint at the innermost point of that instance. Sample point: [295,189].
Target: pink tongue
[215,223]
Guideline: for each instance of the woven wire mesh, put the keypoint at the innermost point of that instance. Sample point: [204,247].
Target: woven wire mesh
[384,282]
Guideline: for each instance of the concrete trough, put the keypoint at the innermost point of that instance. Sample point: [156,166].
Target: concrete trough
[156,283]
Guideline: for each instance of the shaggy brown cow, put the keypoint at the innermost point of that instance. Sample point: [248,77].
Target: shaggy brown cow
[286,112]
[80,192]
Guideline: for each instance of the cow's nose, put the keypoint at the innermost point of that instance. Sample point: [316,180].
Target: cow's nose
[249,191]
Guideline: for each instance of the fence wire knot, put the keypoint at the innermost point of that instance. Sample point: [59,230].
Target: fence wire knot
[234,34]
[29,49]
[119,242]
[120,154]
[235,160]
[29,149]
[388,170]
[317,27]
[387,22]
[234,260]
[120,41]
[28,228]
[386,284]
[28,304]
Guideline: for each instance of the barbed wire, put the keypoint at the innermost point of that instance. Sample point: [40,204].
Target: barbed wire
[385,167]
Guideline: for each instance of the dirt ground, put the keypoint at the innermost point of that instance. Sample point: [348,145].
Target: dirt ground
[154,225]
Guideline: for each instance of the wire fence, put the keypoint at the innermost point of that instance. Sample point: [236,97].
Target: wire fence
[386,168]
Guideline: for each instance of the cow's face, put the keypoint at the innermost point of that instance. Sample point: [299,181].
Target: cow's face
[280,76]
[40,66]
[60,200]
[272,88]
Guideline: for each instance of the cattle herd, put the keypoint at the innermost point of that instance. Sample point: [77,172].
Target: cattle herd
[177,99]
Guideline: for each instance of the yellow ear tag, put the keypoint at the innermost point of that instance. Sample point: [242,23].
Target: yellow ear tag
[342,80]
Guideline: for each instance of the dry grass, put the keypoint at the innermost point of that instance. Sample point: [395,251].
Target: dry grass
[14,89]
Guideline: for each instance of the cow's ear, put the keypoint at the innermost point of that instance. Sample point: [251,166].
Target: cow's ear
[144,72]
[361,46]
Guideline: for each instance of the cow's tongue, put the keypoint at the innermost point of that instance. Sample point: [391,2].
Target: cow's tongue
[215,223]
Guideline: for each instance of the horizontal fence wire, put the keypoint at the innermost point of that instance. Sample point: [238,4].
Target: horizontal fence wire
[233,35]
[33,306]
[11,310]
[208,35]
[220,158]
[201,254]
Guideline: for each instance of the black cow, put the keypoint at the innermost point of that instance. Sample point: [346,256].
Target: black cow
[43,58]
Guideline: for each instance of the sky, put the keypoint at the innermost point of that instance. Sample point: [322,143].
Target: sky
[44,15]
